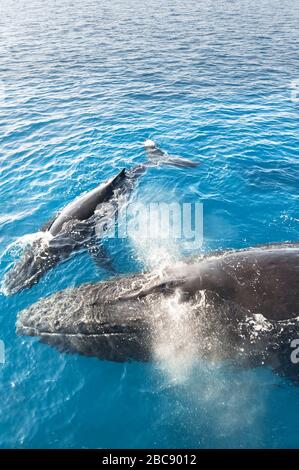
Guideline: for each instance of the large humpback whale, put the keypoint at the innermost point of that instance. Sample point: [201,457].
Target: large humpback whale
[76,226]
[237,305]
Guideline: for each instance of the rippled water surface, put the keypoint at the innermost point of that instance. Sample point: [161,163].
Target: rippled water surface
[83,84]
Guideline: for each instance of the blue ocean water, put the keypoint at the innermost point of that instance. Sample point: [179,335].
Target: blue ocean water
[83,84]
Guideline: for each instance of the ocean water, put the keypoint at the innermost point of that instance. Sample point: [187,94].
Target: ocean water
[82,85]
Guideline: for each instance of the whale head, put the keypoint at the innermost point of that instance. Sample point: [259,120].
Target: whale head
[86,320]
[28,270]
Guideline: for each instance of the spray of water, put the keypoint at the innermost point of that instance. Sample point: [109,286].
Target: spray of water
[174,343]
[206,390]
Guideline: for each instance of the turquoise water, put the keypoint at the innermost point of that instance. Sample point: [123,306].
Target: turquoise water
[83,84]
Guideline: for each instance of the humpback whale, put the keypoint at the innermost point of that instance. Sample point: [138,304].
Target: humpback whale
[241,306]
[71,230]
[76,226]
[155,154]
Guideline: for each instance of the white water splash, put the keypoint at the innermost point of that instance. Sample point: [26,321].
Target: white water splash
[174,343]
[174,346]
[202,387]
[30,239]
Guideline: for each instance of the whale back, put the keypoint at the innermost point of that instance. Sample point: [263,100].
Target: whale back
[84,206]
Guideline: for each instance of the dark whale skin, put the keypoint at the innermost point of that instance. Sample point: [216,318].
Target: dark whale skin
[240,306]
